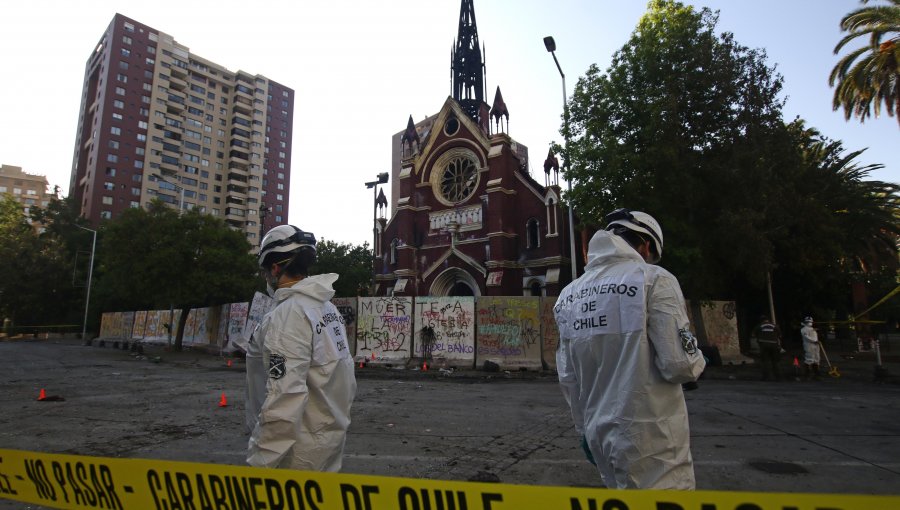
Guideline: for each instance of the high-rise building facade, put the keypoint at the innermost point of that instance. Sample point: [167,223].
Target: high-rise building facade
[159,122]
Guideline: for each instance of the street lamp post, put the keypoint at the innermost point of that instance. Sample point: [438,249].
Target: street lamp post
[87,299]
[381,179]
[263,213]
[181,201]
[550,44]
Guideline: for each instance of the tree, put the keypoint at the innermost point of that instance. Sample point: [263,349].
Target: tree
[869,75]
[687,125]
[678,116]
[158,258]
[352,263]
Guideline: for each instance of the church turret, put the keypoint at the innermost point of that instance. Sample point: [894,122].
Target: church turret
[499,110]
[467,66]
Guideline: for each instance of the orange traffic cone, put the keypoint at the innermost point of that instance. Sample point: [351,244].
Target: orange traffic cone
[362,365]
[223,402]
[42,395]
[228,364]
[373,355]
[796,362]
[424,366]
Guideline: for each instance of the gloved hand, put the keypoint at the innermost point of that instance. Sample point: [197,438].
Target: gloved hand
[587,451]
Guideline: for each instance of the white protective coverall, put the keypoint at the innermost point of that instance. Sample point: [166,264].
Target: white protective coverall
[810,345]
[625,349]
[311,382]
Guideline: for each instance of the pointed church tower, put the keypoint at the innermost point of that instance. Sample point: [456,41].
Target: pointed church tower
[467,67]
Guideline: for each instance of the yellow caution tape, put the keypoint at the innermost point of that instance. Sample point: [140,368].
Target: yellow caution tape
[74,481]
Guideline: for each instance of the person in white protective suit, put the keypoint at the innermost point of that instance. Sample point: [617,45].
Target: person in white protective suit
[625,350]
[811,350]
[303,421]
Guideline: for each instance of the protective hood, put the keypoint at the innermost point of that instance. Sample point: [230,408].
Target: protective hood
[607,248]
[318,287]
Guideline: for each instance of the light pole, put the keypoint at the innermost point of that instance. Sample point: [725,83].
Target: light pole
[381,179]
[263,213]
[87,299]
[180,202]
[550,44]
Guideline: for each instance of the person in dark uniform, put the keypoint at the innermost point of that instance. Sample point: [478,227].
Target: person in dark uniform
[768,336]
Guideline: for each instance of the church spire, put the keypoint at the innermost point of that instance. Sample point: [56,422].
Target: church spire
[466,64]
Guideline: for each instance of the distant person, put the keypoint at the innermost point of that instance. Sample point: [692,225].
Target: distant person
[810,349]
[311,383]
[768,337]
[625,350]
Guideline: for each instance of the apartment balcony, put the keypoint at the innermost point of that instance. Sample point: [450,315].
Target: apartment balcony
[235,214]
[242,107]
[236,224]
[238,156]
[169,169]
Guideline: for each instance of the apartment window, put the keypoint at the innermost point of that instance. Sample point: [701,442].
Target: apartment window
[113,144]
[115,130]
[120,91]
[136,192]
[142,124]
[110,171]
[281,186]
[117,116]
[122,78]
[278,218]
[129,27]
[17,191]
[126,39]
[138,163]
[147,86]
[105,215]
[139,151]
[118,103]
[2,189]
[112,158]
[149,61]
[280,175]
[136,177]
[145,99]
[144,112]
[279,197]
[134,205]
[122,64]
[107,200]
[151,49]
[141,137]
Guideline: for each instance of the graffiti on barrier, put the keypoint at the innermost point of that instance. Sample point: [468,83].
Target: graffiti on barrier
[384,328]
[509,331]
[452,321]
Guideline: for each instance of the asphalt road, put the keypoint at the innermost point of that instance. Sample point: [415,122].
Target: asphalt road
[832,436]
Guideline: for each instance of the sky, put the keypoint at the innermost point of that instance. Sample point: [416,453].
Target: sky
[360,68]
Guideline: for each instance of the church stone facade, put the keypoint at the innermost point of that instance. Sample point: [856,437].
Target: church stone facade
[467,217]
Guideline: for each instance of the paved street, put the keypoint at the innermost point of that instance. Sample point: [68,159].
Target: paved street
[836,435]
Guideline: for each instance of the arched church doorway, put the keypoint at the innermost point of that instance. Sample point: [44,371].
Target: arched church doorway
[454,282]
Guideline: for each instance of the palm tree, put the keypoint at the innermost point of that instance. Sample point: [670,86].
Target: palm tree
[870,75]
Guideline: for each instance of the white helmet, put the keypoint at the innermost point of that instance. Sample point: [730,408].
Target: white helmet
[639,222]
[807,321]
[285,239]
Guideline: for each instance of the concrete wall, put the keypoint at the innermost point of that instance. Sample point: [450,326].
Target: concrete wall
[508,332]
[453,322]
[384,329]
[516,332]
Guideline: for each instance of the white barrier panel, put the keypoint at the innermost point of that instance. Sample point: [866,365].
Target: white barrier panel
[508,332]
[453,322]
[384,329]
[347,307]
[549,332]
